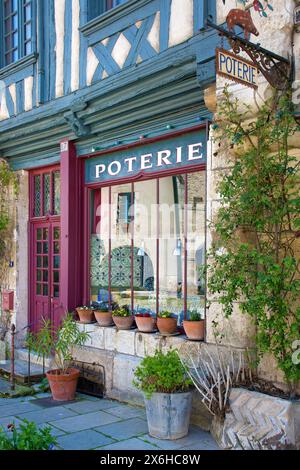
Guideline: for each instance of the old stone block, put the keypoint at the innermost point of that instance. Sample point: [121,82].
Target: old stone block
[110,338]
[124,342]
[123,372]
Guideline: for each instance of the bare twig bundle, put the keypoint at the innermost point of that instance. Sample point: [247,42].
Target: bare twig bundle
[215,374]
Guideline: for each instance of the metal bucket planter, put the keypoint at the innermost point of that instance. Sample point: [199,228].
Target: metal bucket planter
[168,415]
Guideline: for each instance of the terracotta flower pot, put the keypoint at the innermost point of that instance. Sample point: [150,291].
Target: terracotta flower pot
[145,324]
[63,386]
[86,315]
[123,323]
[103,318]
[194,329]
[167,326]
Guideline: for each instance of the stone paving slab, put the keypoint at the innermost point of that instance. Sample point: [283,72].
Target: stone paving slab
[87,406]
[47,415]
[54,431]
[84,421]
[194,440]
[83,440]
[126,412]
[130,444]
[124,429]
[18,408]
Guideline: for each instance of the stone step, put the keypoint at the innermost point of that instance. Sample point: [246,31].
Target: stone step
[22,354]
[21,370]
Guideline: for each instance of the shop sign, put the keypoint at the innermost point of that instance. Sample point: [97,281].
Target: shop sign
[236,68]
[178,152]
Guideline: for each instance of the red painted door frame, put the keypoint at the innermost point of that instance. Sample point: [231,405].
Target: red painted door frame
[41,302]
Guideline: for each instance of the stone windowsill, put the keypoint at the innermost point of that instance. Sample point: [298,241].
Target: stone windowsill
[132,342]
[20,64]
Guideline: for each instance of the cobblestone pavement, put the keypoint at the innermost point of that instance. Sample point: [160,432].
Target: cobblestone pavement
[93,423]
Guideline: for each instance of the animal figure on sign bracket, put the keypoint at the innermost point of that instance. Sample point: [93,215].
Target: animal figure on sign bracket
[242,18]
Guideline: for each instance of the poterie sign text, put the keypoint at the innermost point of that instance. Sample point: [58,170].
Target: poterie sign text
[176,152]
[236,68]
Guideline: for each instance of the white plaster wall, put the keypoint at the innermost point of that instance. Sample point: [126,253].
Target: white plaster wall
[181,21]
[91,65]
[28,87]
[59,7]
[75,45]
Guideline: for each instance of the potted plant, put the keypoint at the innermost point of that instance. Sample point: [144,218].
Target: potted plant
[62,380]
[194,326]
[123,318]
[103,314]
[167,393]
[86,314]
[166,323]
[145,322]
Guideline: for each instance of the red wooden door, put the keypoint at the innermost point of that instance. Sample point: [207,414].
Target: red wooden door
[45,252]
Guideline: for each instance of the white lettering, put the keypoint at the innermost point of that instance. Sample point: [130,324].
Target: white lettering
[194,150]
[178,154]
[110,171]
[162,158]
[130,162]
[145,161]
[99,169]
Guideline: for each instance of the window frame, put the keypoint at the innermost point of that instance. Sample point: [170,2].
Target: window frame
[105,6]
[21,47]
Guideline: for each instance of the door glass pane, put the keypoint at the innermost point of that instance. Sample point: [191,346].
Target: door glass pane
[45,276]
[145,235]
[171,237]
[45,289]
[56,247]
[45,247]
[37,196]
[45,262]
[39,275]
[38,289]
[56,233]
[39,248]
[56,276]
[39,234]
[196,242]
[46,178]
[56,291]
[39,261]
[56,192]
[56,262]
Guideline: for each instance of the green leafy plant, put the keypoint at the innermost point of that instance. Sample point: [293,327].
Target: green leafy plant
[8,190]
[165,314]
[26,437]
[255,251]
[59,340]
[161,373]
[122,312]
[193,315]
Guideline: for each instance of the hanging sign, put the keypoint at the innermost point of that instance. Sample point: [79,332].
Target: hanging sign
[236,68]
[178,152]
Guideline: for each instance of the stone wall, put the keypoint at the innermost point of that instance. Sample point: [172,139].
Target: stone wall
[276,34]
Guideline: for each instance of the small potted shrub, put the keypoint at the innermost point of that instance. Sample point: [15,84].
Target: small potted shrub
[62,380]
[166,323]
[167,393]
[103,314]
[145,322]
[123,318]
[86,314]
[194,326]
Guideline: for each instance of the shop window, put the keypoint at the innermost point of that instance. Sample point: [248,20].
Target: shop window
[16,30]
[46,193]
[154,259]
[97,7]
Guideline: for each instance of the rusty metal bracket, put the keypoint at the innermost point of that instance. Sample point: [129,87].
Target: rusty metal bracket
[275,68]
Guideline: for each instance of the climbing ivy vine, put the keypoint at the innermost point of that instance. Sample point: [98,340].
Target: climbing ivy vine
[8,188]
[256,248]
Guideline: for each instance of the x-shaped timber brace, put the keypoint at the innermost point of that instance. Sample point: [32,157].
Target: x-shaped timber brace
[275,69]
